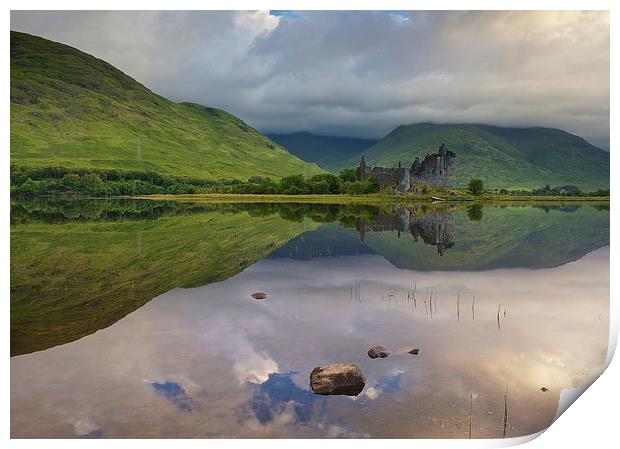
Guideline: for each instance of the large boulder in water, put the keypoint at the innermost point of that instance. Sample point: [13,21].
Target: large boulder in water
[378,351]
[340,378]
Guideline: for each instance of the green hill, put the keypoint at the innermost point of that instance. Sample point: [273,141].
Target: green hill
[326,151]
[71,109]
[501,157]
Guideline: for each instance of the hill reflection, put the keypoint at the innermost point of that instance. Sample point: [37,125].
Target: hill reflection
[80,266]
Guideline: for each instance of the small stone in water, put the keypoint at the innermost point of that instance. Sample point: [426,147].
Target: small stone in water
[415,351]
[378,351]
[259,295]
[544,389]
[337,379]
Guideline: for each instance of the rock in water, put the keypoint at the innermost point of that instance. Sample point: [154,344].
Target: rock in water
[414,351]
[378,351]
[544,389]
[344,379]
[259,295]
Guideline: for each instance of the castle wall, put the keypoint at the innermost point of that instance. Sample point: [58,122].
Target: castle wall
[436,170]
[398,177]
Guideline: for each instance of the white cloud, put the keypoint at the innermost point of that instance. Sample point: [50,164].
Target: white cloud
[360,73]
[83,426]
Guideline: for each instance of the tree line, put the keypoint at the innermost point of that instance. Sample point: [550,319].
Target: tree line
[30,181]
[110,182]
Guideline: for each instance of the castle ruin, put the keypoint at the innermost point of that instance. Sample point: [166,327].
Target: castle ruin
[435,169]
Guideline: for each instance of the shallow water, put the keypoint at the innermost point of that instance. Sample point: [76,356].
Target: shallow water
[130,321]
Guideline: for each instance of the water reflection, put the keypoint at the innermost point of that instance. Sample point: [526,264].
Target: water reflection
[79,266]
[210,362]
[278,393]
[497,297]
[434,228]
[174,393]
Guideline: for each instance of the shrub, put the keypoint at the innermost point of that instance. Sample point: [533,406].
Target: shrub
[371,185]
[334,182]
[293,183]
[348,175]
[319,187]
[476,187]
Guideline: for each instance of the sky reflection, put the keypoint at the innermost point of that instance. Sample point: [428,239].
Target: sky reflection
[219,364]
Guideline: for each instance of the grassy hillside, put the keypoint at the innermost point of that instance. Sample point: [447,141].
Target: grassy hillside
[326,151]
[71,109]
[501,157]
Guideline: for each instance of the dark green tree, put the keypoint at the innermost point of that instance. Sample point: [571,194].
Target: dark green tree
[348,175]
[294,185]
[476,187]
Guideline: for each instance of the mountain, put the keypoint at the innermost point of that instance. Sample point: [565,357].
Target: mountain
[71,109]
[326,151]
[501,157]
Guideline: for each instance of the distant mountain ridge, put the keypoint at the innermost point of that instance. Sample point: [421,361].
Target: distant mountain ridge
[501,157]
[71,109]
[327,152]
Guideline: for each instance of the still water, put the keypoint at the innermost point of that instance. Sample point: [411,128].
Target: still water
[134,319]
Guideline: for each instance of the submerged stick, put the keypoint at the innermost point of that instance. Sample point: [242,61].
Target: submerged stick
[498,310]
[471,398]
[458,305]
[505,411]
[431,304]
[473,308]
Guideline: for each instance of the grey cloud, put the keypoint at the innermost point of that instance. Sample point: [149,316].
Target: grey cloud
[359,73]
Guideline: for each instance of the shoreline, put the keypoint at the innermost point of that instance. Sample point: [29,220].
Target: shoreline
[357,199]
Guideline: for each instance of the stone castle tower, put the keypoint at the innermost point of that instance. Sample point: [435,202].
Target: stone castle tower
[435,169]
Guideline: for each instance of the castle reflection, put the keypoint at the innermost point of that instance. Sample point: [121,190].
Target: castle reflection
[435,228]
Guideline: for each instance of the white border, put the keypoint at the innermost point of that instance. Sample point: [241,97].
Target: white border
[591,421]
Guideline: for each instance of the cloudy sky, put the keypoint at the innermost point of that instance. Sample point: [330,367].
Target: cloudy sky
[359,73]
